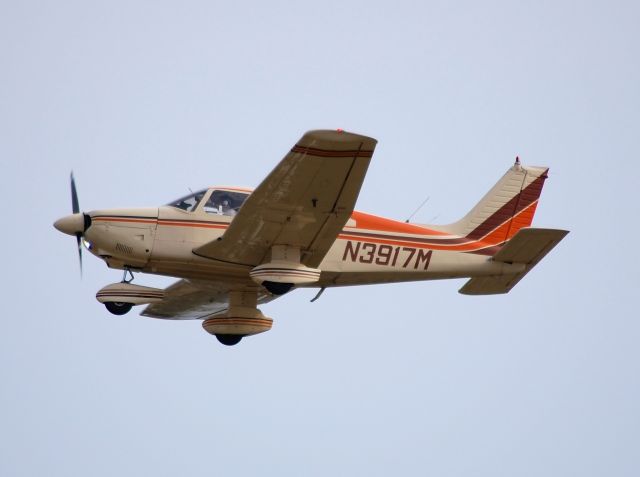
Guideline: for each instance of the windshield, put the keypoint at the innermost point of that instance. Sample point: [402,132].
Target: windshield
[189,202]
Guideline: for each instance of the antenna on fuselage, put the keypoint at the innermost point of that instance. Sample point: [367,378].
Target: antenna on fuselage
[418,209]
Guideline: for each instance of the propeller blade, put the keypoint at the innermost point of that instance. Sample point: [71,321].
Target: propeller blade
[79,240]
[75,206]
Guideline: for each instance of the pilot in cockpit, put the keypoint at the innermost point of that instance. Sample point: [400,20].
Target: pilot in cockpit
[226,208]
[219,204]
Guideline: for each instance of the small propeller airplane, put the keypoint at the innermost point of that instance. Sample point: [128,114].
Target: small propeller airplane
[234,248]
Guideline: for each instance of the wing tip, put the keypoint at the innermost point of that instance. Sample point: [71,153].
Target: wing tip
[332,137]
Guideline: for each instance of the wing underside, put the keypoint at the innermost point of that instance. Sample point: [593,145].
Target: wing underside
[195,300]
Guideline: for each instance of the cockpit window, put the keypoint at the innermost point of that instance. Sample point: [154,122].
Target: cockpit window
[224,202]
[189,202]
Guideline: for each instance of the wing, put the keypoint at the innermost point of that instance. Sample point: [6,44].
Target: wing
[194,300]
[305,201]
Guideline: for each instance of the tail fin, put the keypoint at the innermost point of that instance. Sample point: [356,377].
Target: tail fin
[506,208]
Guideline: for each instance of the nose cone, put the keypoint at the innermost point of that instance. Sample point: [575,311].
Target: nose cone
[71,224]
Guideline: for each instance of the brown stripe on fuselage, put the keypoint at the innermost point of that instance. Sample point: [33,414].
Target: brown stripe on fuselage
[165,222]
[434,241]
[192,223]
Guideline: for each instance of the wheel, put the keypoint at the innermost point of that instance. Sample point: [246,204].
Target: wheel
[229,340]
[118,307]
[277,288]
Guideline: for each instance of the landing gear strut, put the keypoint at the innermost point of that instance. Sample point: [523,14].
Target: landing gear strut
[127,276]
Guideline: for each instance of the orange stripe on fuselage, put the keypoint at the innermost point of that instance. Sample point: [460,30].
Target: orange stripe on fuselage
[374,222]
[498,236]
[164,222]
[172,223]
[123,219]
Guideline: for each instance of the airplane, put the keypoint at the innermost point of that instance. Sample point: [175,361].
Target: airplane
[234,248]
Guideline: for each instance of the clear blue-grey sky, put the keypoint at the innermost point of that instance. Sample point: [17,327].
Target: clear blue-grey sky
[144,100]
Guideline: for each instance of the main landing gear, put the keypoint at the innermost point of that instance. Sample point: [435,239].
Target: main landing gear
[118,307]
[277,288]
[229,340]
[241,319]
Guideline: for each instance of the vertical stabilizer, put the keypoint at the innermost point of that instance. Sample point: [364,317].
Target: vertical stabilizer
[509,206]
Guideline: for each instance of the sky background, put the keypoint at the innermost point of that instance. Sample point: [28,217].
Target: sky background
[144,100]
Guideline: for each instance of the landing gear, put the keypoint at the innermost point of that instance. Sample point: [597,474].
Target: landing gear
[127,276]
[277,288]
[241,319]
[118,307]
[229,340]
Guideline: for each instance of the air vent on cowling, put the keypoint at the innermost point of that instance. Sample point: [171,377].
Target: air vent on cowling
[124,249]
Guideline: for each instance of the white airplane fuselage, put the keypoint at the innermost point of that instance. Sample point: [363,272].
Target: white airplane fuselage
[161,241]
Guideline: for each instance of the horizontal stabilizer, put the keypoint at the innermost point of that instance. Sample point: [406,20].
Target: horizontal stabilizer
[527,247]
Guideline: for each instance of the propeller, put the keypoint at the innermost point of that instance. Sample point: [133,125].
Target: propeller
[75,207]
[75,224]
